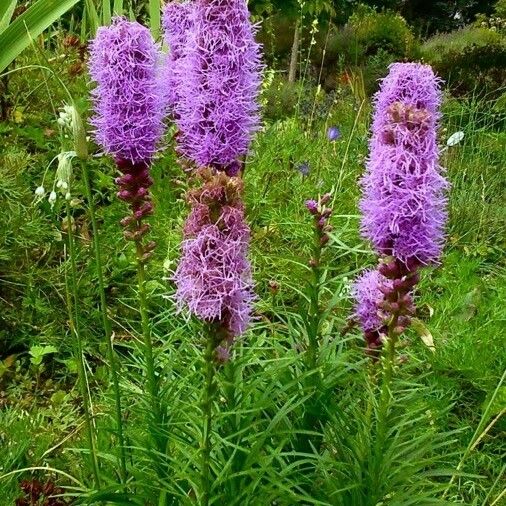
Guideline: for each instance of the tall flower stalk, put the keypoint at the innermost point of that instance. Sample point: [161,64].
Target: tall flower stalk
[64,181]
[71,119]
[128,125]
[321,215]
[403,216]
[216,113]
[313,319]
[403,204]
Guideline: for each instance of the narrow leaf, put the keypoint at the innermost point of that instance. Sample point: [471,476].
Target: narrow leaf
[92,15]
[118,7]
[18,36]
[6,12]
[106,12]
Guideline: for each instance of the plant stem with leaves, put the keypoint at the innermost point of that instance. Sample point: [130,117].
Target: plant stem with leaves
[72,304]
[113,360]
[152,383]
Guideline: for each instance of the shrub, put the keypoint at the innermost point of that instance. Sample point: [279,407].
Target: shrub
[500,8]
[375,31]
[369,32]
[371,41]
[435,49]
[469,59]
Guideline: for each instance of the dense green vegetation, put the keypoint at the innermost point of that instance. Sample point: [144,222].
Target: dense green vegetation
[445,426]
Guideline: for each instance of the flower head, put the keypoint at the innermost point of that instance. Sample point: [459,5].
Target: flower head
[304,168]
[127,100]
[403,204]
[214,276]
[218,112]
[333,134]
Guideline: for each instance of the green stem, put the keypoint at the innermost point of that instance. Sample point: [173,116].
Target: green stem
[75,330]
[207,408]
[107,325]
[384,401]
[152,384]
[386,393]
[314,316]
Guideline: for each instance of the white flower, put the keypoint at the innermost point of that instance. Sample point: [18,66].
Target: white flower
[455,138]
[52,197]
[40,191]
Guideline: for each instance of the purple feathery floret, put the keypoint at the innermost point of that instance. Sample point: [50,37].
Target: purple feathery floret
[214,276]
[403,202]
[128,105]
[177,24]
[368,297]
[218,112]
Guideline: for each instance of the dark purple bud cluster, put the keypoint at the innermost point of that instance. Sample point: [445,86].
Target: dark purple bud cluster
[397,306]
[134,189]
[321,215]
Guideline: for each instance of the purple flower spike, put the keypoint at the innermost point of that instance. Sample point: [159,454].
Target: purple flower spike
[214,276]
[127,102]
[333,134]
[218,112]
[128,114]
[403,202]
[177,23]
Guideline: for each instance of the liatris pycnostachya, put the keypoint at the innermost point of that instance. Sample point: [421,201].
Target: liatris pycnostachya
[128,116]
[214,276]
[404,204]
[321,215]
[128,121]
[217,109]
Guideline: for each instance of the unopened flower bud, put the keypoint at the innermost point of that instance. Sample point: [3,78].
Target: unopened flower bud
[124,195]
[312,206]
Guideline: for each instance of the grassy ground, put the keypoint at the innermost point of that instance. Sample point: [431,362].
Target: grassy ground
[461,303]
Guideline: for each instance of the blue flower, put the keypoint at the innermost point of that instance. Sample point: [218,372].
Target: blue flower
[333,134]
[303,168]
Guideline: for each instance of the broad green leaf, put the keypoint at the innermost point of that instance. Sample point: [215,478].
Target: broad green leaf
[28,26]
[6,12]
[154,17]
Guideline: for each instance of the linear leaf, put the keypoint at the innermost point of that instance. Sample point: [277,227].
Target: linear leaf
[6,12]
[118,7]
[17,37]
[106,12]
[93,18]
